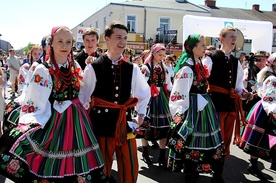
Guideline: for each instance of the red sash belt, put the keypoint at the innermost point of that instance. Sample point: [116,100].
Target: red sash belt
[120,133]
[240,114]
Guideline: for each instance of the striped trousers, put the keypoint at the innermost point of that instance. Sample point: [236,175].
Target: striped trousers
[126,155]
[227,121]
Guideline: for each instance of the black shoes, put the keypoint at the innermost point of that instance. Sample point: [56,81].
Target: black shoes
[254,170]
[145,155]
[162,161]
[146,158]
[273,165]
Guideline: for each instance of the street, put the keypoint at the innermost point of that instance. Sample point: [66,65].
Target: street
[235,168]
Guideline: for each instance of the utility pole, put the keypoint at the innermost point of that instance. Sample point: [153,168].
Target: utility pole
[164,34]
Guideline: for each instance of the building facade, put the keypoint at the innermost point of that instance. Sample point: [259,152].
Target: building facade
[151,21]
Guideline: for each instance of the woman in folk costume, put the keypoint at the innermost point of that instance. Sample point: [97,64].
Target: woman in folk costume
[54,140]
[159,117]
[12,111]
[196,139]
[258,137]
[35,52]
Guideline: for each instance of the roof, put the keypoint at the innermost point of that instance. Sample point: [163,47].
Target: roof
[236,13]
[165,4]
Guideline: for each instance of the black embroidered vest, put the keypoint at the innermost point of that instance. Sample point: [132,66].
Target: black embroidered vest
[223,74]
[113,85]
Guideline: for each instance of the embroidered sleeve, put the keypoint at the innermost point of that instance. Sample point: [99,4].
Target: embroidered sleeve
[168,79]
[207,61]
[88,86]
[22,75]
[140,89]
[179,99]
[146,72]
[36,107]
[269,95]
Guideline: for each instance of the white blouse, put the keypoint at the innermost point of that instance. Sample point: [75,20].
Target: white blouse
[139,87]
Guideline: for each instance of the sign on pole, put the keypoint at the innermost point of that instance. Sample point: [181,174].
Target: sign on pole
[160,29]
[170,31]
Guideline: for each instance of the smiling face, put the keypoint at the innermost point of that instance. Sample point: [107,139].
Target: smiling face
[117,41]
[62,44]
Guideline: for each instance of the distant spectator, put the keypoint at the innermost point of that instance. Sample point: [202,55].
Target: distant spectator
[145,54]
[128,54]
[14,65]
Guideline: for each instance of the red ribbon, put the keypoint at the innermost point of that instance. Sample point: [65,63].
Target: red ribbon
[154,90]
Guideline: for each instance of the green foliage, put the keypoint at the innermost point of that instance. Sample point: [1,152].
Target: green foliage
[27,48]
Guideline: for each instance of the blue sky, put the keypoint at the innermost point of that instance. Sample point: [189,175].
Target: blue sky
[24,21]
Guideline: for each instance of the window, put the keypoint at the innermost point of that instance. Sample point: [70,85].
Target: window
[131,23]
[164,25]
[104,23]
[274,39]
[97,24]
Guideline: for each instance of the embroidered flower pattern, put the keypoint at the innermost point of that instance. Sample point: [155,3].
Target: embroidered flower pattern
[21,79]
[177,96]
[269,97]
[29,107]
[206,167]
[81,179]
[33,68]
[12,166]
[41,81]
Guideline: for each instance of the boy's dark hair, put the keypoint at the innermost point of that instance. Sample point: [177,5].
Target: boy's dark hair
[90,31]
[109,29]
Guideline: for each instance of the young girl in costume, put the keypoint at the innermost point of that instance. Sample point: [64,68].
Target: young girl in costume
[196,140]
[258,137]
[159,117]
[12,111]
[54,140]
[35,52]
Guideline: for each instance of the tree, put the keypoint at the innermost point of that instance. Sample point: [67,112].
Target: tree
[27,48]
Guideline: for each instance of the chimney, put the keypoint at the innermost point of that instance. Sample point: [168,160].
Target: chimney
[256,7]
[274,7]
[210,3]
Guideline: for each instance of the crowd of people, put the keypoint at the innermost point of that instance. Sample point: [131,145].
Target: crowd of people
[74,112]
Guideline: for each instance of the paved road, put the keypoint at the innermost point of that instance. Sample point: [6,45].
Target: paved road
[235,169]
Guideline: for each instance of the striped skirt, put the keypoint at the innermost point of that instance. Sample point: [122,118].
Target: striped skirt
[197,140]
[64,150]
[255,140]
[159,117]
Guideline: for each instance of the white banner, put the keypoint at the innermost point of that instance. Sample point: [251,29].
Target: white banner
[260,32]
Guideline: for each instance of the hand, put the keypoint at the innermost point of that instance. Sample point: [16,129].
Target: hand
[249,96]
[90,59]
[138,120]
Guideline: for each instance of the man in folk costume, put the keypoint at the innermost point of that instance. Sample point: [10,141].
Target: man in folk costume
[226,89]
[87,55]
[114,87]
